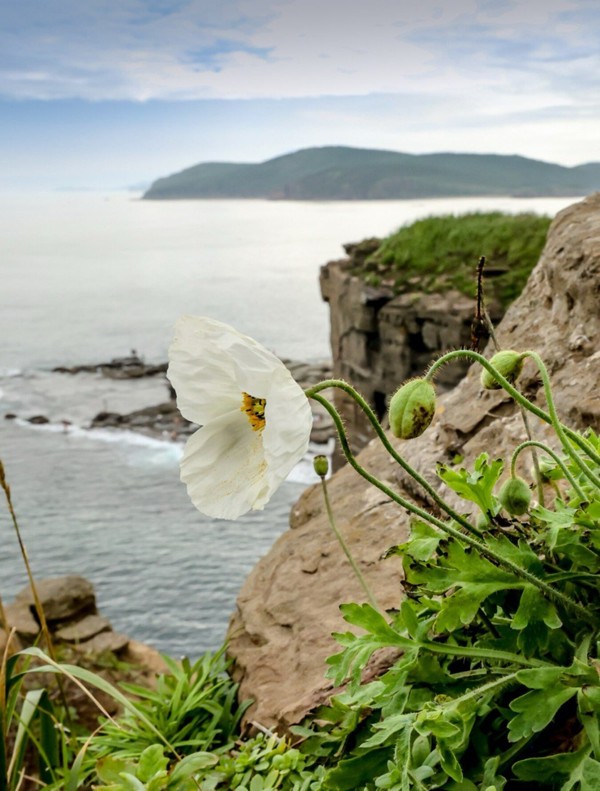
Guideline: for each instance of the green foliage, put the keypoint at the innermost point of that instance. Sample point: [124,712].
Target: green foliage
[193,708]
[497,683]
[29,722]
[441,253]
[257,764]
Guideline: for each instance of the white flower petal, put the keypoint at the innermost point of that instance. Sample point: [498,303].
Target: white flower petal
[201,373]
[288,424]
[228,467]
[223,466]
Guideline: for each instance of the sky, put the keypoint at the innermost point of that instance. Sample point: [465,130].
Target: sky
[115,93]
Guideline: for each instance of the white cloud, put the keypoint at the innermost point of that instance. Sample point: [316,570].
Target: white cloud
[194,49]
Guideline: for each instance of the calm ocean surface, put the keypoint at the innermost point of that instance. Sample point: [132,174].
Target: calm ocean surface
[86,277]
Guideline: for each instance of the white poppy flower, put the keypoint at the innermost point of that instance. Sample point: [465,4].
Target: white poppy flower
[255,419]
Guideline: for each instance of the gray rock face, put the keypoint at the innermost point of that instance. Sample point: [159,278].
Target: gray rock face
[85,629]
[279,635]
[62,598]
[70,608]
[379,340]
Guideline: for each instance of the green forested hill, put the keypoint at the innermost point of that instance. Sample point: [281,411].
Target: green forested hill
[342,173]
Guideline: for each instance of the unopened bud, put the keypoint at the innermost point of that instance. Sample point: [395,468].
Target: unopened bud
[321,466]
[515,496]
[508,363]
[412,408]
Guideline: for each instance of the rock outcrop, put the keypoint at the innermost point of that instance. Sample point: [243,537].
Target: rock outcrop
[279,636]
[379,339]
[69,605]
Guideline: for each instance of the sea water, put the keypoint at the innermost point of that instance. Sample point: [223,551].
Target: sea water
[85,277]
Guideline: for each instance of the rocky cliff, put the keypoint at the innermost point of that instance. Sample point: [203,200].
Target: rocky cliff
[378,339]
[280,632]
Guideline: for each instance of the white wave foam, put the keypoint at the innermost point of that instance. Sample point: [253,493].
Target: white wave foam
[304,471]
[10,373]
[104,435]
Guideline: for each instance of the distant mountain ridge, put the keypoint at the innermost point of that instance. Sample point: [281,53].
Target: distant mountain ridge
[344,173]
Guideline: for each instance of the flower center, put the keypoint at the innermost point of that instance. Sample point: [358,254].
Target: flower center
[255,410]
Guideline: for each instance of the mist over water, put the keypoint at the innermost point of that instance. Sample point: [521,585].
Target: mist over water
[87,277]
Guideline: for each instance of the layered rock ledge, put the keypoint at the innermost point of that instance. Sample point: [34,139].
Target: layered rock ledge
[280,633]
[80,635]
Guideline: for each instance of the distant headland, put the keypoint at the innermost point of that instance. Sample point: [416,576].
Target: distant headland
[343,173]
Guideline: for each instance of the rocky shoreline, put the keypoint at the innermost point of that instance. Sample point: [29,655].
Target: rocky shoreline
[163,420]
[80,635]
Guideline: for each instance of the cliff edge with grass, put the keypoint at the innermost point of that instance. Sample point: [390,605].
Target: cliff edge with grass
[279,635]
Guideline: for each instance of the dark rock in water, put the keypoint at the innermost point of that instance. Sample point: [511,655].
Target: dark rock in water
[131,367]
[10,416]
[162,420]
[165,421]
[38,420]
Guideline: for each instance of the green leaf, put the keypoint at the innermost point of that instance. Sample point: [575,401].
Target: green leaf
[353,773]
[477,486]
[358,649]
[588,706]
[109,769]
[536,709]
[535,607]
[373,622]
[152,762]
[193,763]
[472,575]
[578,769]
[422,544]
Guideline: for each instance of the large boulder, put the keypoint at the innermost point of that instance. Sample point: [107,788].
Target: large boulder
[280,633]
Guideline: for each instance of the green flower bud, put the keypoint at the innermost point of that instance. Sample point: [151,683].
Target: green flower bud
[412,408]
[507,363]
[515,496]
[321,466]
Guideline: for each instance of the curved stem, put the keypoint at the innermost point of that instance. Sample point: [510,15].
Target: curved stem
[358,573]
[519,397]
[533,444]
[482,653]
[583,443]
[340,384]
[556,424]
[518,571]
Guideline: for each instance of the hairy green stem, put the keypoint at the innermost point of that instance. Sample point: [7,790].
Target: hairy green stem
[340,384]
[482,653]
[357,572]
[534,444]
[519,397]
[515,569]
[556,424]
[539,484]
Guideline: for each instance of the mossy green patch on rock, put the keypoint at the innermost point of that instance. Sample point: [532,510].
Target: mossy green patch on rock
[439,253]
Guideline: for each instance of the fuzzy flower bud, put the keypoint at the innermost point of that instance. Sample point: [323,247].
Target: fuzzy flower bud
[412,408]
[515,496]
[321,466]
[508,363]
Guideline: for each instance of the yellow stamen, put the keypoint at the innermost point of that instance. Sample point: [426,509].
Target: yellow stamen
[255,410]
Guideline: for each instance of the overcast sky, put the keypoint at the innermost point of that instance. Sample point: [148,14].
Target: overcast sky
[108,93]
